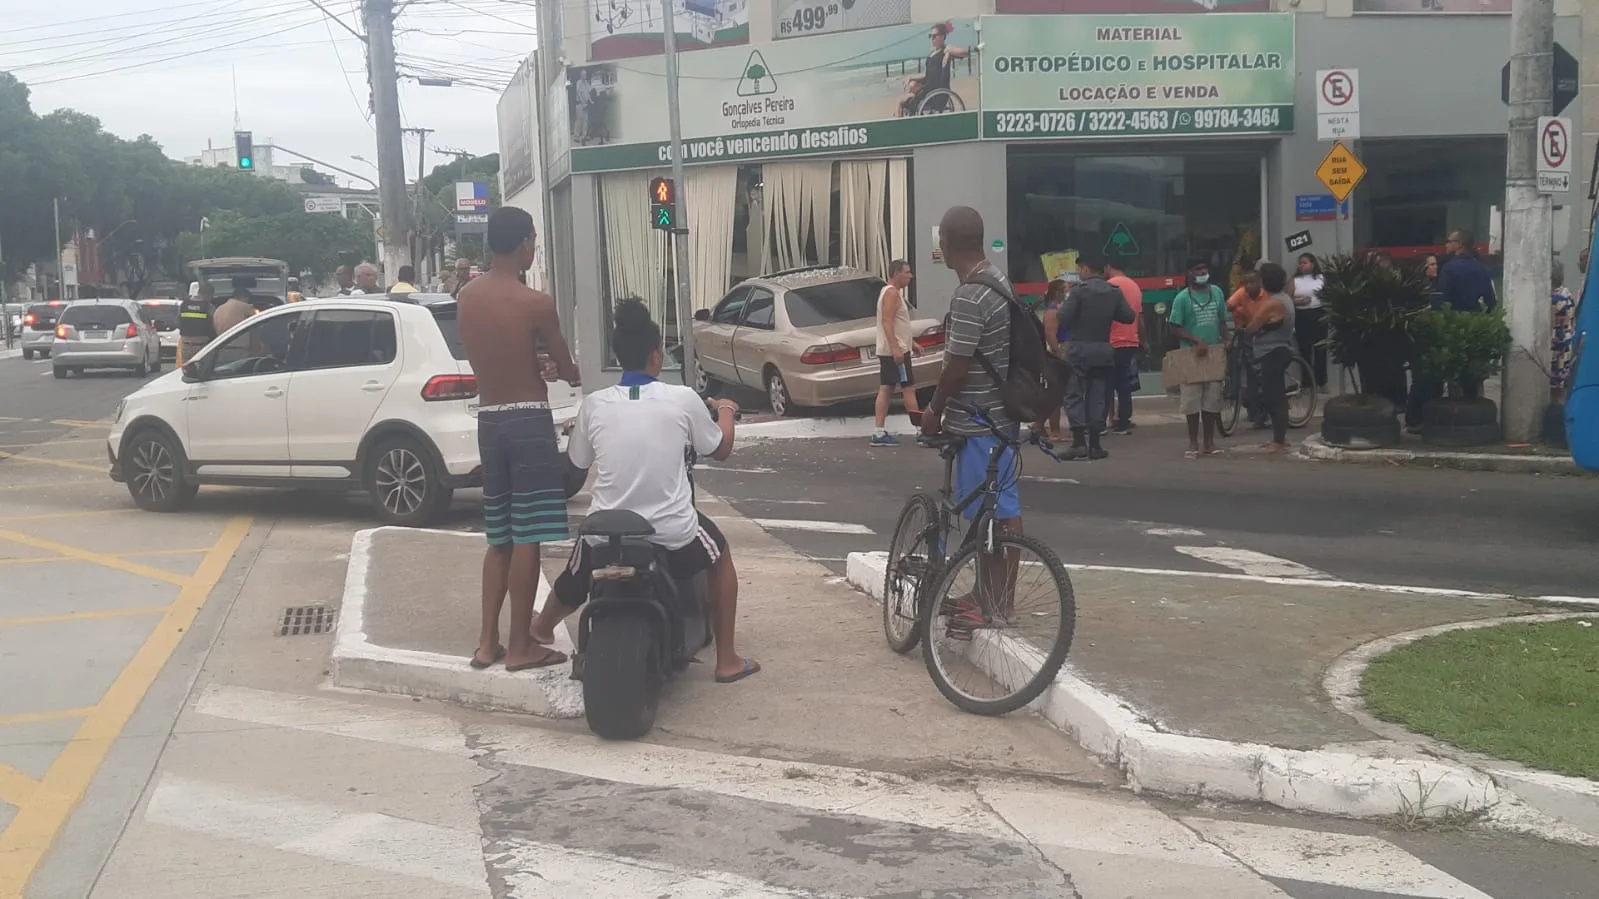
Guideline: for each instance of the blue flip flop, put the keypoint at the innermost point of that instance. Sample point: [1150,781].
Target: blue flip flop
[750,667]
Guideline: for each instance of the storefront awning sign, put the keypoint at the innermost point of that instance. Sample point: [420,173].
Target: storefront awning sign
[1341,171]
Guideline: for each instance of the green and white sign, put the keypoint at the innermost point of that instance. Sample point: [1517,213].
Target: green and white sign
[1050,77]
[832,94]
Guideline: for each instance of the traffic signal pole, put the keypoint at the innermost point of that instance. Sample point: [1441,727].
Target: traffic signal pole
[685,303]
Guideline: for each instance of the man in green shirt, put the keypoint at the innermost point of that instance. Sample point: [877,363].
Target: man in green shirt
[1199,318]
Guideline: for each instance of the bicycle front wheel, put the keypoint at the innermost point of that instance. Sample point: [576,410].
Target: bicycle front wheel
[1301,387]
[913,559]
[998,624]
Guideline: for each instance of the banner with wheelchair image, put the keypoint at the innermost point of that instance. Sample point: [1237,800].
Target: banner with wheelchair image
[847,92]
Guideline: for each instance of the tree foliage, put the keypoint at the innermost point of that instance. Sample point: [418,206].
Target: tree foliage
[145,207]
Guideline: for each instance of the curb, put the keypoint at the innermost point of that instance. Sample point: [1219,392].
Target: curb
[1572,800]
[1316,449]
[359,664]
[1387,781]
[10,354]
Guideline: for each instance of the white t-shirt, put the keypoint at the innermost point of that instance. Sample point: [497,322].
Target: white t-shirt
[1308,286]
[637,447]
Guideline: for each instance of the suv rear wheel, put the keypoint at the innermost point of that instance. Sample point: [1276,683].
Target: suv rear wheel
[404,482]
[28,355]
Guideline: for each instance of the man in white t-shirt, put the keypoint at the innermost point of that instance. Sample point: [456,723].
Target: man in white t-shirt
[635,435]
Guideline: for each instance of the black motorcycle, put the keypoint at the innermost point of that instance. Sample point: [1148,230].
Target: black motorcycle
[640,626]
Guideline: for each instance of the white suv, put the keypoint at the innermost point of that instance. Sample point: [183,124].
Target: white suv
[341,394]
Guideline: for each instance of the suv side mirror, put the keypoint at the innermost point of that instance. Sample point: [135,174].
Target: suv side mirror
[192,372]
[702,315]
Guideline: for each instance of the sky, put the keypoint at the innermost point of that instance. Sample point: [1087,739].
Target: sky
[168,68]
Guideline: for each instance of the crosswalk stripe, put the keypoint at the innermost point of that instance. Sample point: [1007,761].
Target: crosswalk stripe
[815,527]
[1228,856]
[1355,862]
[1250,562]
[365,839]
[542,871]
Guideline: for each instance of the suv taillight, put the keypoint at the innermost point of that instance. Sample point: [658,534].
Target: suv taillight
[29,319]
[133,330]
[830,354]
[62,332]
[450,387]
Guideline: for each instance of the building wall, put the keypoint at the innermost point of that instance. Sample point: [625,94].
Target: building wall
[971,174]
[1402,95]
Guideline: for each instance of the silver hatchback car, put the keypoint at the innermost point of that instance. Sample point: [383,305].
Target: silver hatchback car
[104,333]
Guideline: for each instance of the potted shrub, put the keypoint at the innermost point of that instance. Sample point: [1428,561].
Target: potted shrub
[1461,350]
[1372,316]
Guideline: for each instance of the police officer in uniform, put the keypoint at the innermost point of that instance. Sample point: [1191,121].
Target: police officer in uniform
[194,322]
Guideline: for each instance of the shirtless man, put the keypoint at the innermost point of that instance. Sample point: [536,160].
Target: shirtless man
[503,323]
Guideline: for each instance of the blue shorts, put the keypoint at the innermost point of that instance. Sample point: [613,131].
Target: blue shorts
[971,466]
[524,475]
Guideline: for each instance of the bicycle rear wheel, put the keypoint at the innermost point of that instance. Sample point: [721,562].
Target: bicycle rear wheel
[1301,387]
[1232,400]
[997,626]
[913,561]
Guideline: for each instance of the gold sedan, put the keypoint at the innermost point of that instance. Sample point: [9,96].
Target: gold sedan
[805,338]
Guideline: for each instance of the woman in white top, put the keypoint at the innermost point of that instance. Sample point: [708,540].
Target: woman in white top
[1310,326]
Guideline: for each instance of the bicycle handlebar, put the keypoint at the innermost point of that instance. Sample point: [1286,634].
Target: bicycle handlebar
[981,417]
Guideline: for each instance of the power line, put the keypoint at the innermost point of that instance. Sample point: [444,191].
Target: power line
[156,62]
[114,51]
[96,37]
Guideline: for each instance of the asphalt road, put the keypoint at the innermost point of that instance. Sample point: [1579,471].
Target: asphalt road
[36,408]
[1490,532]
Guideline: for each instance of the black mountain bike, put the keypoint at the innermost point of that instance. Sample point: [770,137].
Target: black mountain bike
[1241,391]
[990,647]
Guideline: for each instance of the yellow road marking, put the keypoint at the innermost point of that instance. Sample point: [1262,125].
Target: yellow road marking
[97,469]
[51,515]
[25,844]
[44,485]
[64,440]
[145,554]
[16,788]
[73,423]
[37,717]
[109,561]
[84,616]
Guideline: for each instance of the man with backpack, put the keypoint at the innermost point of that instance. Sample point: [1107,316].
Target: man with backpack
[995,359]
[1091,308]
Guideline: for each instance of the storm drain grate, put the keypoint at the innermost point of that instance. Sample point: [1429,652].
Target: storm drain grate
[301,620]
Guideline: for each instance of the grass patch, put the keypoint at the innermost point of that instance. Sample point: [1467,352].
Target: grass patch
[1524,692]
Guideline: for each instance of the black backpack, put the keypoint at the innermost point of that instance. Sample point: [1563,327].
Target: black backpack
[1034,386]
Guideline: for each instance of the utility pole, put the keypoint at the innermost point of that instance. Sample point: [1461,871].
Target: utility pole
[1528,223]
[685,303]
[381,76]
[421,169]
[61,258]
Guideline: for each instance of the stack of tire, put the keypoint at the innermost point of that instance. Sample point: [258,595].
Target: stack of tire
[1460,422]
[1360,421]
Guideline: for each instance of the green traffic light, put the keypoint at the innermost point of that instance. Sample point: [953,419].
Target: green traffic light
[663,217]
[246,163]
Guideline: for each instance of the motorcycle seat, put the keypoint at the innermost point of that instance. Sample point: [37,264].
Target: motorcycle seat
[616,523]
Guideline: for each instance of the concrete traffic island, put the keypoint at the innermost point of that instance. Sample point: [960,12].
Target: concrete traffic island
[1213,687]
[409,624]
[1529,460]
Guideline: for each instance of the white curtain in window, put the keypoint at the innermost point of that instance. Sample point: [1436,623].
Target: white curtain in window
[899,210]
[798,211]
[710,195]
[863,240]
[635,255]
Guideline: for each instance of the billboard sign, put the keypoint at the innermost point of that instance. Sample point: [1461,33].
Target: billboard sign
[471,196]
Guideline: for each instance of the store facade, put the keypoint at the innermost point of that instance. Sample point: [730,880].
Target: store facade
[1153,138]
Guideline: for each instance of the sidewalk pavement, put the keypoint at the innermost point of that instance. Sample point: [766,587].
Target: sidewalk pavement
[1243,687]
[829,690]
